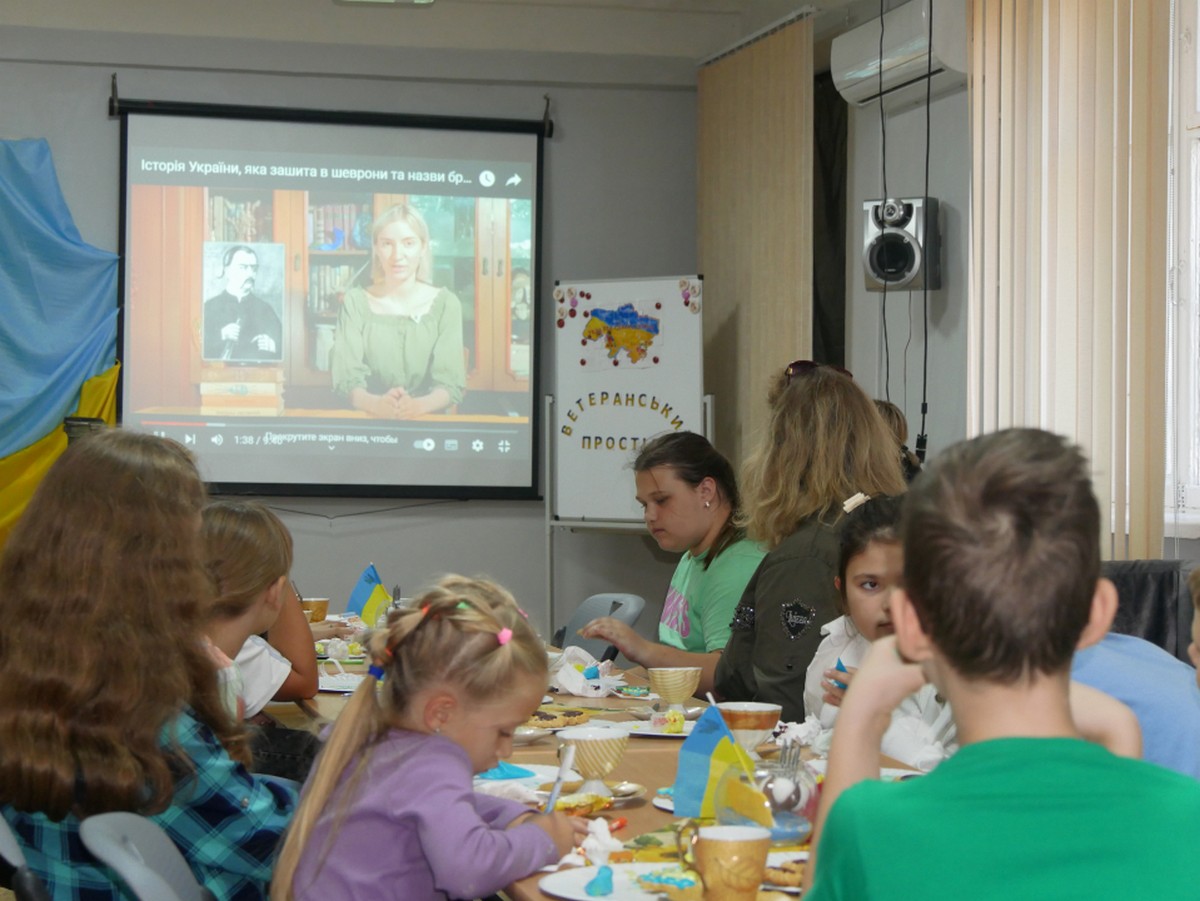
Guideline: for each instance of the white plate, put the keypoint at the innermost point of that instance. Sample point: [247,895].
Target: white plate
[527,735]
[644,713]
[664,802]
[645,730]
[341,682]
[571,885]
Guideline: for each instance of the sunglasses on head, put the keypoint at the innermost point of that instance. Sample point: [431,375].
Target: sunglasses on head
[798,368]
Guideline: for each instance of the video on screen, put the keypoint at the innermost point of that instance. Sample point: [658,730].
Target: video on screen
[334,308]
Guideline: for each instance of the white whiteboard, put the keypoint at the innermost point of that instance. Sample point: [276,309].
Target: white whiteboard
[629,366]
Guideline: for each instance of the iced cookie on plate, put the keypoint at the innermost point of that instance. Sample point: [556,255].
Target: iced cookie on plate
[675,883]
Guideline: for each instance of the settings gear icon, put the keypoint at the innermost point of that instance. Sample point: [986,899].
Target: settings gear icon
[477,446]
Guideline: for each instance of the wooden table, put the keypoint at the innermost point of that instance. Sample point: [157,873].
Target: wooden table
[647,761]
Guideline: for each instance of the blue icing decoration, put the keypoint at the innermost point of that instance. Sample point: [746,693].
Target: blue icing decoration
[677,878]
[601,883]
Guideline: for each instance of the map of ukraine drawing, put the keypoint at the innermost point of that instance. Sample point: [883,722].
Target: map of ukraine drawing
[622,329]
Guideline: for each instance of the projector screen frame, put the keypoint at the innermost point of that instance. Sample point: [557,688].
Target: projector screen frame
[529,486]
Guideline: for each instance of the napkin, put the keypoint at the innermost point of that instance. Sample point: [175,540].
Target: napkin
[578,673]
[513,790]
[595,849]
[706,754]
[805,733]
[506,770]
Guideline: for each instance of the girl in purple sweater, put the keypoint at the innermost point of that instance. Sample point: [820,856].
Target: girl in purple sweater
[389,811]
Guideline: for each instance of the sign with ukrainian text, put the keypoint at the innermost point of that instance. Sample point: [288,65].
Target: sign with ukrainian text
[629,356]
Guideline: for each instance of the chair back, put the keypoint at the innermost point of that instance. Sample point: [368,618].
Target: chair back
[26,884]
[143,856]
[1153,602]
[619,605]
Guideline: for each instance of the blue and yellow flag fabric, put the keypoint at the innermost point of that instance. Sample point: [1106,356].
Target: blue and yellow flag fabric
[369,598]
[58,331]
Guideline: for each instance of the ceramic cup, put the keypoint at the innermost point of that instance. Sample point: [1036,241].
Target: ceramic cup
[674,684]
[316,608]
[598,750]
[750,722]
[729,859]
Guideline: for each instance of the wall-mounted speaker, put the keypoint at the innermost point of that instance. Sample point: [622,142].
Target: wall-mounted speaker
[902,246]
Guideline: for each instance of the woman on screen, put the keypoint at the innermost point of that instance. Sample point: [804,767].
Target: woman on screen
[398,346]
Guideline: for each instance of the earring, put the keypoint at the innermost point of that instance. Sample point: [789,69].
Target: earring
[707,505]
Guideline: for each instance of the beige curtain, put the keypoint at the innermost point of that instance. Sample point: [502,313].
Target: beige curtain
[1067,307]
[755,222]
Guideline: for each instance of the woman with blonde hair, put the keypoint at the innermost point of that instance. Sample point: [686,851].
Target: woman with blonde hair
[398,346]
[825,442]
[390,811]
[108,700]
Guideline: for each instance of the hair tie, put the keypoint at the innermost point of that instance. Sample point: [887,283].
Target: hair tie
[504,636]
[524,615]
[376,672]
[853,503]
[424,609]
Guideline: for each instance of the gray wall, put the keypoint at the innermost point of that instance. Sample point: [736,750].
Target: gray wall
[949,182]
[620,202]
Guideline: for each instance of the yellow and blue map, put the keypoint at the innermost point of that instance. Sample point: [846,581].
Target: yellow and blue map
[622,329]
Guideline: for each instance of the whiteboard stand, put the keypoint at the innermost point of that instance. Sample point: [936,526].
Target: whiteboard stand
[632,526]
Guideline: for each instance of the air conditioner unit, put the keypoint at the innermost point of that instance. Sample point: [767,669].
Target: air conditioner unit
[856,62]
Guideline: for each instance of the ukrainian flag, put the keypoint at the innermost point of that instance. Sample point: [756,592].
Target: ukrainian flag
[58,334]
[369,598]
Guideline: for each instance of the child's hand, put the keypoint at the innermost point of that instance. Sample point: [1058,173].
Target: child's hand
[566,832]
[882,681]
[615,632]
[835,684]
[330,628]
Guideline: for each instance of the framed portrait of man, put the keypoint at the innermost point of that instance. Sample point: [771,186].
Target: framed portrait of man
[243,302]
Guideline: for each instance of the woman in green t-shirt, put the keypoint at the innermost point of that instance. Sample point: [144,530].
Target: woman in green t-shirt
[690,499]
[398,347]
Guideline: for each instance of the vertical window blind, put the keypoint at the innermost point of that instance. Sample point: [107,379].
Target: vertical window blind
[1068,299]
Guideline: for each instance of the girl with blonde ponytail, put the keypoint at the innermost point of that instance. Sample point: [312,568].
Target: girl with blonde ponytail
[389,811]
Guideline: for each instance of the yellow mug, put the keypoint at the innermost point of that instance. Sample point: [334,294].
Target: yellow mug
[316,609]
[729,859]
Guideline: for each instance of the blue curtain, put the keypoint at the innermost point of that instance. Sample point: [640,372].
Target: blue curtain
[58,300]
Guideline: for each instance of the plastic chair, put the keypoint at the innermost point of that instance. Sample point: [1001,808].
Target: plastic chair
[625,607]
[26,884]
[143,855]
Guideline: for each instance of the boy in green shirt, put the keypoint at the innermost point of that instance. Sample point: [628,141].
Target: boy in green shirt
[1002,583]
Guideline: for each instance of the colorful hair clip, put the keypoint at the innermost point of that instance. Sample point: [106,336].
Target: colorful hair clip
[375,672]
[504,636]
[462,605]
[524,615]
